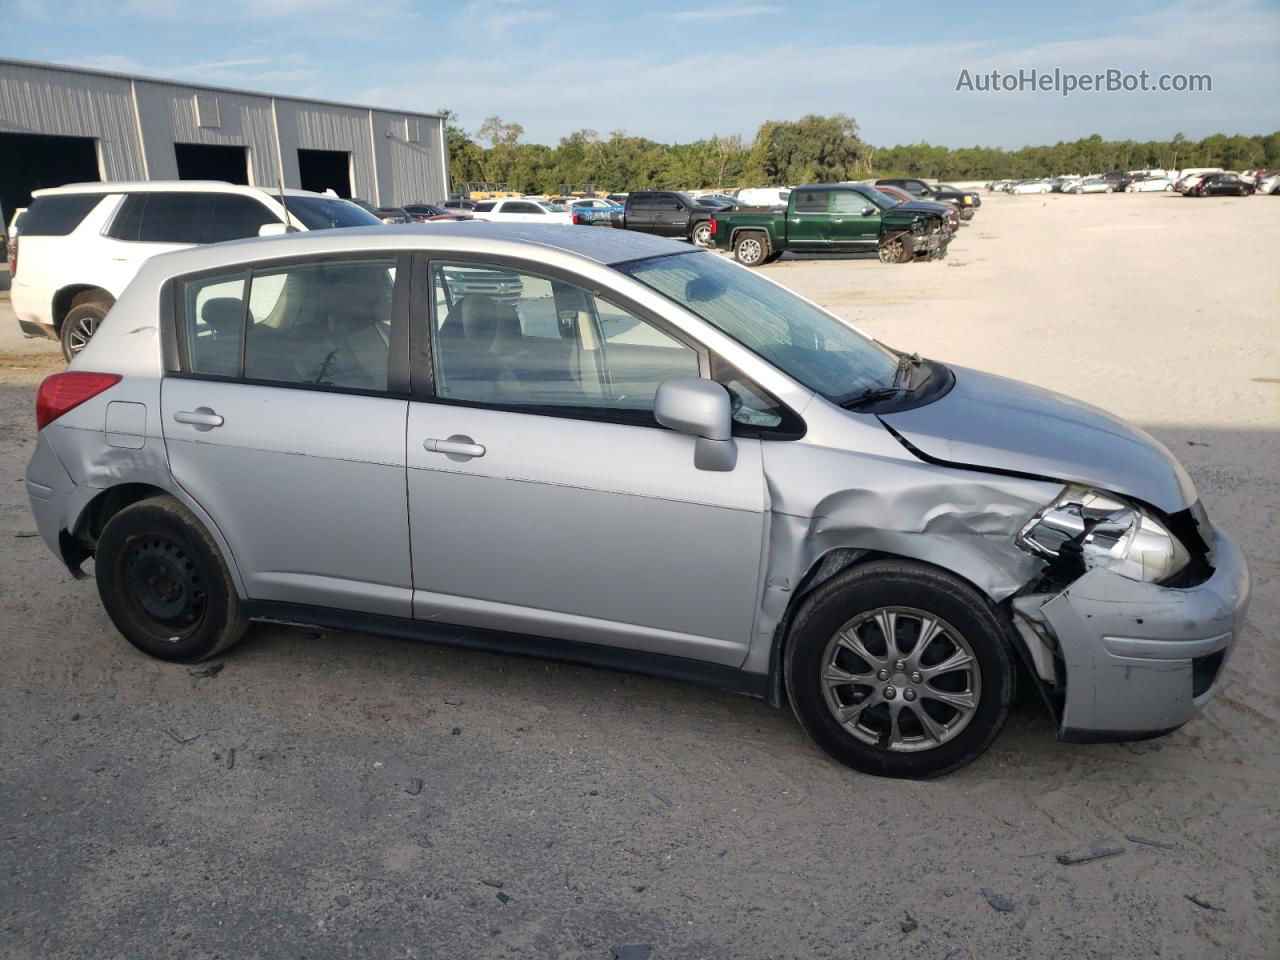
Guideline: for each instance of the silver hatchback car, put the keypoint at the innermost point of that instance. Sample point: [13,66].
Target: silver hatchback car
[608,448]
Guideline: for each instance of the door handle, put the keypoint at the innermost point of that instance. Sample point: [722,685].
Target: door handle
[458,447]
[199,417]
[838,220]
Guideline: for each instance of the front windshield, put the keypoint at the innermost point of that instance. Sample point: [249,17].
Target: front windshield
[798,338]
[882,200]
[326,213]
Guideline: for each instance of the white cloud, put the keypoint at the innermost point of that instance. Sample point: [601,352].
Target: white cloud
[726,13]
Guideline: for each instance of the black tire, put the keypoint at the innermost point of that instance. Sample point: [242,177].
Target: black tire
[898,248]
[79,326]
[164,583]
[899,584]
[751,248]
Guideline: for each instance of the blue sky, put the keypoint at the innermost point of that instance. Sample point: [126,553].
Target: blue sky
[680,71]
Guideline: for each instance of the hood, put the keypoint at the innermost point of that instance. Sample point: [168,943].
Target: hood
[994,423]
[926,206]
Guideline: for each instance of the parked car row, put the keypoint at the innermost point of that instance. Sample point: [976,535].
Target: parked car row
[1200,182]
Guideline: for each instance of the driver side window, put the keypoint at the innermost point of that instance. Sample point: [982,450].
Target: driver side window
[516,339]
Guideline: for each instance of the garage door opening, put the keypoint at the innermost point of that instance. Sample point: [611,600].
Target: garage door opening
[29,161]
[205,161]
[322,170]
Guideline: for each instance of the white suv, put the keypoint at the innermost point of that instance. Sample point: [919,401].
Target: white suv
[82,244]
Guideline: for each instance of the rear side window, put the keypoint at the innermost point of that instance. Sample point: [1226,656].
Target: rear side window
[175,217]
[811,201]
[322,324]
[236,217]
[57,216]
[484,207]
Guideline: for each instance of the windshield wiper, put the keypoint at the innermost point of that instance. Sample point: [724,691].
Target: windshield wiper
[872,395]
[901,384]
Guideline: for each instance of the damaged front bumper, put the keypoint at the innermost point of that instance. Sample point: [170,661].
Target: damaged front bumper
[1132,660]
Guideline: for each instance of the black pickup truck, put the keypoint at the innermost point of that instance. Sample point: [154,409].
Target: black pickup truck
[966,202]
[667,213]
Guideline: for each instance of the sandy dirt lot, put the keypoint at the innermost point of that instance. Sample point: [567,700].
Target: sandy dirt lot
[566,812]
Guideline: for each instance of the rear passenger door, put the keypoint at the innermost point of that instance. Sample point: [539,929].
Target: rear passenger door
[284,408]
[544,498]
[809,223]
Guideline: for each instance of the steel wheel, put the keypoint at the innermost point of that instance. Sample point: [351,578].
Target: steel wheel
[164,585]
[702,235]
[901,679]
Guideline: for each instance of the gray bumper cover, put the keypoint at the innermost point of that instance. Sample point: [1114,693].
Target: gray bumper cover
[1129,650]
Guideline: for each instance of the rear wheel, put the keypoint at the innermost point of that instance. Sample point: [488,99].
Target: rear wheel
[79,326]
[751,249]
[899,669]
[164,583]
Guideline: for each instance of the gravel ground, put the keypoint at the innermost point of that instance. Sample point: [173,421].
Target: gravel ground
[274,809]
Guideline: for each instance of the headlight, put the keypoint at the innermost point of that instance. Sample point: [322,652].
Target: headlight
[1103,531]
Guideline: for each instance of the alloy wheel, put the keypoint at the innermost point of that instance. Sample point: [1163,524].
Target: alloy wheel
[901,679]
[891,251]
[81,333]
[702,235]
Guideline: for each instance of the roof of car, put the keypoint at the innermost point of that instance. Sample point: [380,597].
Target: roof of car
[162,186]
[462,236]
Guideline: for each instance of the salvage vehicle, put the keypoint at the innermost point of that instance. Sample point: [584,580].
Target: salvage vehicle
[82,244]
[433,212]
[833,218]
[593,211]
[799,512]
[966,201]
[1093,185]
[521,210]
[948,210]
[666,213]
[1151,184]
[1031,186]
[320,429]
[1221,185]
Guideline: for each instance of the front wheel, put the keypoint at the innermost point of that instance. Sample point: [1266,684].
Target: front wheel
[750,249]
[164,583]
[701,235]
[1109,190]
[899,248]
[899,669]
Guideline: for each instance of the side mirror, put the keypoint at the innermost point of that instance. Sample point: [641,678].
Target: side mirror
[701,409]
[868,211]
[272,230]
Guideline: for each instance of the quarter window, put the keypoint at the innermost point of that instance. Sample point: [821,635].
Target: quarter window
[511,338]
[58,215]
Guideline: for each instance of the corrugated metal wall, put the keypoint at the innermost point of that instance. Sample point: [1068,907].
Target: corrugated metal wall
[135,140]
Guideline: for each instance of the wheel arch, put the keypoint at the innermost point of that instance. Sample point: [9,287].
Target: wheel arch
[739,231]
[78,539]
[836,561]
[75,294]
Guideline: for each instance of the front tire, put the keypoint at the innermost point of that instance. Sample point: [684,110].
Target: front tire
[79,326]
[701,235]
[899,248]
[164,583]
[899,670]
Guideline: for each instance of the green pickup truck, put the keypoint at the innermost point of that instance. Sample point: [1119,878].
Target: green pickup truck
[834,218]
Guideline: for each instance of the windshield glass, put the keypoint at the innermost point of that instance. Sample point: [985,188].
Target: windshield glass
[807,343]
[882,200]
[325,213]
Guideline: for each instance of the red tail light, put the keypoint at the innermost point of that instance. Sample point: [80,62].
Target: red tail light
[12,254]
[714,226]
[63,392]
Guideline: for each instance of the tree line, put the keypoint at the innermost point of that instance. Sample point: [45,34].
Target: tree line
[813,149]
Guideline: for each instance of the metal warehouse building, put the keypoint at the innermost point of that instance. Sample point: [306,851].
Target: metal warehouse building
[63,125]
